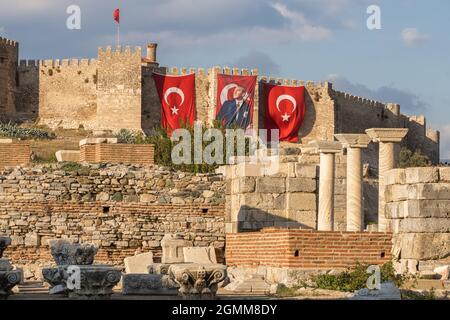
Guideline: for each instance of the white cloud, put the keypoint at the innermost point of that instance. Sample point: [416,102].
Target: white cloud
[27,7]
[295,28]
[412,37]
[299,27]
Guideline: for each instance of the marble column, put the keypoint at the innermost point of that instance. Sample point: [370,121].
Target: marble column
[327,151]
[387,138]
[355,213]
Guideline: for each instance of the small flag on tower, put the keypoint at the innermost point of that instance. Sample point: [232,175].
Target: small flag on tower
[117,15]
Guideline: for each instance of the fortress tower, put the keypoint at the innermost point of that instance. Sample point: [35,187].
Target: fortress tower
[9,55]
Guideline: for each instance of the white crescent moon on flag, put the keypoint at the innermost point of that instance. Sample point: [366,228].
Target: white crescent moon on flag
[286,97]
[224,93]
[174,90]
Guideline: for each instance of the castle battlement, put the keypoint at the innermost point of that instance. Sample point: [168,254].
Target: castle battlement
[9,42]
[419,119]
[109,52]
[68,63]
[29,63]
[174,71]
[360,100]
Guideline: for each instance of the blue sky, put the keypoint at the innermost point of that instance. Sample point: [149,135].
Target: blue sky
[407,61]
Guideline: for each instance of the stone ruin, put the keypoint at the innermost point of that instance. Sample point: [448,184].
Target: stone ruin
[76,275]
[9,277]
[193,271]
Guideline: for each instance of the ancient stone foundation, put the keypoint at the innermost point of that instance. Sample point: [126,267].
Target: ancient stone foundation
[418,209]
[118,229]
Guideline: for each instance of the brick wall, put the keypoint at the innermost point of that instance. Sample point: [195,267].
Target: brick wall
[119,229]
[118,153]
[306,249]
[14,154]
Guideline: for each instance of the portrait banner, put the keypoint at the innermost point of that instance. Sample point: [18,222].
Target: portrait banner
[235,100]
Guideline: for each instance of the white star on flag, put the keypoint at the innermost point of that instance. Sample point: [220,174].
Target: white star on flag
[174,110]
[285,117]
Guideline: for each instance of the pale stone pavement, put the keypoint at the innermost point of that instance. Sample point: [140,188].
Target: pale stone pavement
[35,290]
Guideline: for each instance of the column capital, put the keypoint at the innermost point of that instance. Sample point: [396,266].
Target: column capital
[323,146]
[354,140]
[387,134]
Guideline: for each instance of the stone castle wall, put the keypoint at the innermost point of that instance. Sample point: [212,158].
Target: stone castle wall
[116,91]
[355,115]
[119,89]
[418,206]
[9,55]
[68,93]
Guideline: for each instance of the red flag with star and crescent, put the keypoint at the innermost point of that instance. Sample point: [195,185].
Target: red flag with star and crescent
[285,110]
[177,97]
[116,15]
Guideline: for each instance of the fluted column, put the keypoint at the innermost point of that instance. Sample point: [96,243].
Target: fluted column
[355,213]
[327,151]
[387,138]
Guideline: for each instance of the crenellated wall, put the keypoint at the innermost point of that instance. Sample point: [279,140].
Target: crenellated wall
[355,115]
[9,55]
[68,93]
[117,91]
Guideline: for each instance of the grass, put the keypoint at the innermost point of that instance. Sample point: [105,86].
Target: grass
[413,295]
[356,278]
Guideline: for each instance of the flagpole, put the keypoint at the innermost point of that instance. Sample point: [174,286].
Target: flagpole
[118,34]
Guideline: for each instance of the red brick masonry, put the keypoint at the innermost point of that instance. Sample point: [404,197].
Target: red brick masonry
[14,154]
[306,249]
[118,153]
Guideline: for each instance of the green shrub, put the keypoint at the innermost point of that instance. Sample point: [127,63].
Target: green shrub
[408,159]
[164,146]
[414,295]
[356,278]
[71,166]
[12,130]
[42,160]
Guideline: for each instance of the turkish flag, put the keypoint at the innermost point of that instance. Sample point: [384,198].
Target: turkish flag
[177,96]
[285,110]
[235,100]
[117,15]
